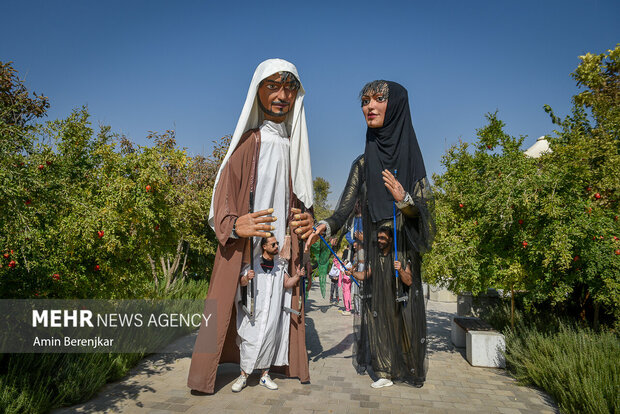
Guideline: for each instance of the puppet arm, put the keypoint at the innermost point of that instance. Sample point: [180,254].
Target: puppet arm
[407,207]
[345,206]
[349,196]
[229,212]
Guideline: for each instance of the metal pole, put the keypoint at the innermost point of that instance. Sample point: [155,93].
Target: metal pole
[399,297]
[302,284]
[336,256]
[244,289]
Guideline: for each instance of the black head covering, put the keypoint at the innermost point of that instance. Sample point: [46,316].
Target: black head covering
[394,146]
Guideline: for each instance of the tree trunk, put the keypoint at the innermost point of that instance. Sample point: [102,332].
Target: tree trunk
[512,307]
[154,271]
[184,262]
[164,266]
[583,308]
[170,269]
[597,307]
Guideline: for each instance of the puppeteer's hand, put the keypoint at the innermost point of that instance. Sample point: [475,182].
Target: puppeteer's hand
[301,271]
[245,279]
[404,274]
[252,224]
[302,224]
[359,235]
[314,236]
[393,186]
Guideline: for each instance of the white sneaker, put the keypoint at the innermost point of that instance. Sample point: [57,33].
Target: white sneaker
[240,383]
[382,382]
[346,313]
[267,382]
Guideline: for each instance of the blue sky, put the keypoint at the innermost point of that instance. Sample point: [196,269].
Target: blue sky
[154,65]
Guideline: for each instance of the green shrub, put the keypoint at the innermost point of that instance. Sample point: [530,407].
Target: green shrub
[546,227]
[578,367]
[36,383]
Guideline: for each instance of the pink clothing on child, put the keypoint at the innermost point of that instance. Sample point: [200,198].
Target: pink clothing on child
[344,282]
[346,294]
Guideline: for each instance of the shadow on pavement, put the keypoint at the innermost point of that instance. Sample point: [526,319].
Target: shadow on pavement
[339,349]
[110,397]
[313,342]
[438,325]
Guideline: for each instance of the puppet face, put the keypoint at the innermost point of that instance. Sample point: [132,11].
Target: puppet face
[383,241]
[276,96]
[374,105]
[272,246]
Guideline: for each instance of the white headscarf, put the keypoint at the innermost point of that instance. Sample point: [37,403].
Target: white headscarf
[252,117]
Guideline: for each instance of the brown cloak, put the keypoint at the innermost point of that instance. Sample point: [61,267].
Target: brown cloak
[231,201]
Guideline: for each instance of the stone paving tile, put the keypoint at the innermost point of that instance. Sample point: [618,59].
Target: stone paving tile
[509,410]
[179,408]
[158,383]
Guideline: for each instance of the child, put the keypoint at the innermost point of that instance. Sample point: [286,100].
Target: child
[334,277]
[345,283]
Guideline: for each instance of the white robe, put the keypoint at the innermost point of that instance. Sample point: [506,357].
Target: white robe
[264,341]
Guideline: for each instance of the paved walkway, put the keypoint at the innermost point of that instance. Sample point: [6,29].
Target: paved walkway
[158,384]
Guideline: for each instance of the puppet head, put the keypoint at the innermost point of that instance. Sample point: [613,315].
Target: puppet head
[276,95]
[252,116]
[374,99]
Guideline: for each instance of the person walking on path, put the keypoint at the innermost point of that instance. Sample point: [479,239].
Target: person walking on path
[321,255]
[358,266]
[334,277]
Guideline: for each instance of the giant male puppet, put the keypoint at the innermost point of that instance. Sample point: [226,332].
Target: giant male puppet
[269,157]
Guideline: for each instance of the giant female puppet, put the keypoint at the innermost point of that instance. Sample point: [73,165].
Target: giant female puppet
[269,158]
[389,180]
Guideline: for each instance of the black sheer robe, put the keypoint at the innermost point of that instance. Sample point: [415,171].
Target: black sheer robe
[390,336]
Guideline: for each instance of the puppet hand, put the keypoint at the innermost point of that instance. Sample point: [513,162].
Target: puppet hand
[250,274]
[301,271]
[397,265]
[251,224]
[314,236]
[393,186]
[302,224]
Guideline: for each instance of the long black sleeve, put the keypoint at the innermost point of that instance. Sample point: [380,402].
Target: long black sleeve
[349,196]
